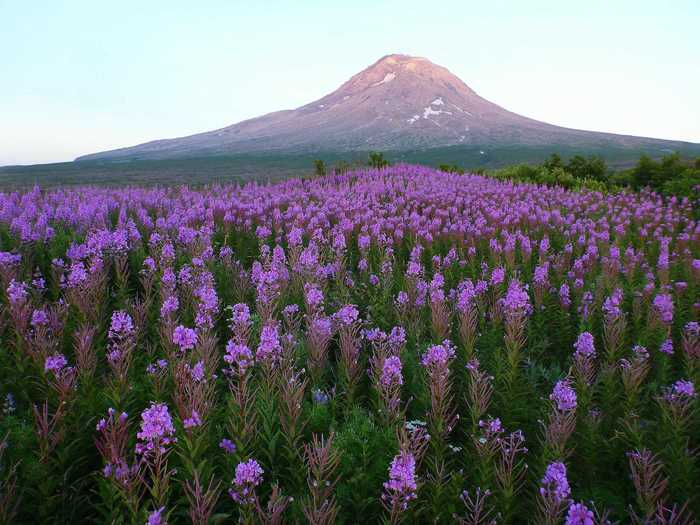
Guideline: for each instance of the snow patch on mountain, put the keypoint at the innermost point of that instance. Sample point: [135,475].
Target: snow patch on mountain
[428,111]
[387,78]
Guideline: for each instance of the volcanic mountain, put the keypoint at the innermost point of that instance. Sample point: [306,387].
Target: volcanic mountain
[399,103]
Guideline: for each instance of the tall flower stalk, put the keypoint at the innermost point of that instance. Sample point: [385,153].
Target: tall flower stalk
[516,308]
[322,460]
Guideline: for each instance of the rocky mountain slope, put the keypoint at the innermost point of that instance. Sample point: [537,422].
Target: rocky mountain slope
[399,103]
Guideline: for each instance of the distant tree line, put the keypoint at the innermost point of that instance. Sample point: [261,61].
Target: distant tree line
[375,160]
[671,175]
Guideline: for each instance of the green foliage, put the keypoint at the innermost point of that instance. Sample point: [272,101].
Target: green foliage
[670,176]
[688,185]
[587,168]
[344,166]
[365,450]
[319,167]
[553,162]
[377,160]
[451,168]
[550,174]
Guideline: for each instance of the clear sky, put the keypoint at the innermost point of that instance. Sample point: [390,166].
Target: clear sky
[82,76]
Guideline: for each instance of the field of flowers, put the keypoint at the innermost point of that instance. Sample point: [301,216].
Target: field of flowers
[399,345]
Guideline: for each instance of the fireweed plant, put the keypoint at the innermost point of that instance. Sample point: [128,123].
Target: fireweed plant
[392,346]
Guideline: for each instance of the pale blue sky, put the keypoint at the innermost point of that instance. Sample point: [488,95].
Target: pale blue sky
[82,76]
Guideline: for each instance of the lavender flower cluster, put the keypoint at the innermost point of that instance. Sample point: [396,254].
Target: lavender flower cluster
[395,345]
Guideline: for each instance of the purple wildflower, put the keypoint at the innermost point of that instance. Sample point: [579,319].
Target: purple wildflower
[319,396]
[666,347]
[17,292]
[579,514]
[193,421]
[169,307]
[540,274]
[565,296]
[498,276]
[396,339]
[121,326]
[185,338]
[227,446]
[692,328]
[238,356]
[585,345]
[248,476]
[157,429]
[681,389]
[269,350]
[564,396]
[401,487]
[39,318]
[391,372]
[240,315]
[438,356]
[612,305]
[554,484]
[55,363]
[156,518]
[516,301]
[663,305]
[347,315]
[154,368]
[491,426]
[313,296]
[465,296]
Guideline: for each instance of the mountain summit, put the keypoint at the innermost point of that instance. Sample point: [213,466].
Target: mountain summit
[399,103]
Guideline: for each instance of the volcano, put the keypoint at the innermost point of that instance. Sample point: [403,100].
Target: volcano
[399,103]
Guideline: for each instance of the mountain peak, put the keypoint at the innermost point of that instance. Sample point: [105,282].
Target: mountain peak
[405,73]
[398,58]
[407,63]
[400,102]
